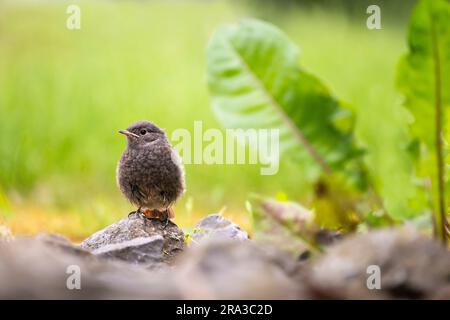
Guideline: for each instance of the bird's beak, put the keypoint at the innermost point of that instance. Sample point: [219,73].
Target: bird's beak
[128,133]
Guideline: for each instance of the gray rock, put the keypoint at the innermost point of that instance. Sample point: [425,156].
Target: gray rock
[31,268]
[228,269]
[34,268]
[137,240]
[411,266]
[215,226]
[60,242]
[142,250]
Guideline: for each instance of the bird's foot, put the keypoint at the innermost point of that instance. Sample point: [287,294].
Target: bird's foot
[138,212]
[131,213]
[166,221]
[162,216]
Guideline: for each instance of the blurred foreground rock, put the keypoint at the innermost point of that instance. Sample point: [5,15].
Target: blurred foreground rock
[137,240]
[227,269]
[215,226]
[37,268]
[40,268]
[218,267]
[60,242]
[411,267]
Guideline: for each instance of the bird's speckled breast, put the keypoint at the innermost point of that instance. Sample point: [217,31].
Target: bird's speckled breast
[149,176]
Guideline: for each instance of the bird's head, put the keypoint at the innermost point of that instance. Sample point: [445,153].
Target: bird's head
[142,132]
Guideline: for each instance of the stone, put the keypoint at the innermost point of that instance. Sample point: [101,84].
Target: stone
[31,268]
[61,243]
[141,250]
[127,260]
[215,226]
[411,267]
[229,269]
[137,240]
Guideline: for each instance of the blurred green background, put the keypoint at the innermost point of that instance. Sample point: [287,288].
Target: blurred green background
[65,93]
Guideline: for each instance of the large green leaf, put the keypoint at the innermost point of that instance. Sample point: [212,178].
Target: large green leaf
[424,78]
[255,82]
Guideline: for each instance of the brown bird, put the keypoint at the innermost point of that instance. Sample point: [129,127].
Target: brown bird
[150,173]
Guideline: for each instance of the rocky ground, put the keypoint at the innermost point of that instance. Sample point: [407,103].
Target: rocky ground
[137,258]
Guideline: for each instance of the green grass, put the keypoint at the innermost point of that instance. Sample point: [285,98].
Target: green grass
[64,94]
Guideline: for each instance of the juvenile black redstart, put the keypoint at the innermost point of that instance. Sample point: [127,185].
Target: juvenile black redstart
[149,172]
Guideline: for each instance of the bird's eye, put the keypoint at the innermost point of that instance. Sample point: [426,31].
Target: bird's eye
[143,131]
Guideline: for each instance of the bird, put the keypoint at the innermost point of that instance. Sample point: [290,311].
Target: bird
[150,173]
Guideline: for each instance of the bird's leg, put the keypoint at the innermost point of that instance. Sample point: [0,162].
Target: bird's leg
[134,212]
[166,220]
[140,212]
[150,214]
[162,216]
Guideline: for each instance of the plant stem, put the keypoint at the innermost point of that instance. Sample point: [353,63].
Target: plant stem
[440,219]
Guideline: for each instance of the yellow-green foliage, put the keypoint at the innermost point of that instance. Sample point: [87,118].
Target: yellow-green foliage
[64,94]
